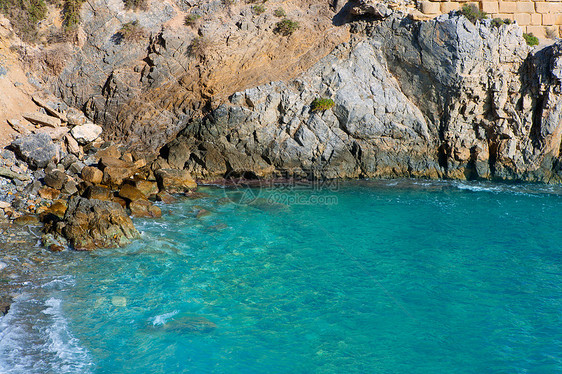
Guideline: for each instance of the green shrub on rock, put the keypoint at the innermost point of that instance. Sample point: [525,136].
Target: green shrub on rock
[319,104]
[531,39]
[131,31]
[24,16]
[136,4]
[191,19]
[497,22]
[258,9]
[286,27]
[279,12]
[472,13]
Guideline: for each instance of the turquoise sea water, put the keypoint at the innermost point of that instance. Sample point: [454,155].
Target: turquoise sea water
[364,277]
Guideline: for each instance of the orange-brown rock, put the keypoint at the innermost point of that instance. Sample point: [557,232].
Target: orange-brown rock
[89,224]
[165,197]
[92,174]
[144,208]
[98,192]
[48,193]
[111,151]
[148,188]
[131,193]
[175,181]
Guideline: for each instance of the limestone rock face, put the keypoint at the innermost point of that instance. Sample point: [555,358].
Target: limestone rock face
[36,149]
[143,93]
[89,224]
[442,98]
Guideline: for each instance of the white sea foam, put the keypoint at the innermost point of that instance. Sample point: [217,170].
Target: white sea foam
[161,319]
[478,188]
[39,342]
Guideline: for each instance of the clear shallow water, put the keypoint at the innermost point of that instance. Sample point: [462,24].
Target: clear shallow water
[376,277]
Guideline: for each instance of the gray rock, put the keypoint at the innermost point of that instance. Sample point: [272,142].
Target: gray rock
[37,149]
[55,179]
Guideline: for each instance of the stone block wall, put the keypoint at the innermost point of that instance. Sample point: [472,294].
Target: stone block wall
[542,18]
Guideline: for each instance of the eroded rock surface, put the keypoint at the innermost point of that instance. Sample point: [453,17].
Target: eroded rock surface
[91,223]
[443,98]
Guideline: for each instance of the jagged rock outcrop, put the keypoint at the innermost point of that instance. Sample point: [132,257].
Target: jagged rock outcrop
[443,98]
[91,223]
[145,91]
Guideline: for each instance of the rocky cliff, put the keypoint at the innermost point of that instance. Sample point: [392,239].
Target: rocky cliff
[442,98]
[144,90]
[438,98]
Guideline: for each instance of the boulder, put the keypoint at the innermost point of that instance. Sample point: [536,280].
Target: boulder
[175,181]
[89,224]
[70,187]
[45,105]
[114,176]
[370,7]
[55,179]
[92,174]
[75,117]
[144,208]
[72,145]
[86,133]
[148,188]
[113,162]
[42,119]
[27,219]
[48,193]
[7,173]
[76,167]
[57,208]
[131,193]
[98,193]
[111,151]
[36,149]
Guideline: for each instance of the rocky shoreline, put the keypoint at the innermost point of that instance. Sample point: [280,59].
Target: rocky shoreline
[62,187]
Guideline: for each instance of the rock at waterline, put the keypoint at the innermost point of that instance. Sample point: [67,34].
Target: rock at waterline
[89,224]
[36,149]
[174,181]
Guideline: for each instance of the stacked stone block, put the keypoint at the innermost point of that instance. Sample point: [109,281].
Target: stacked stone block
[542,18]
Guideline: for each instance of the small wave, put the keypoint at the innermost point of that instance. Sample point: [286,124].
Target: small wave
[161,319]
[478,188]
[45,345]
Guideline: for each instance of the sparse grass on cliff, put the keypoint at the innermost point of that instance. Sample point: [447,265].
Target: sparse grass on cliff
[71,15]
[497,22]
[286,27]
[472,13]
[24,16]
[279,12]
[136,4]
[191,19]
[258,9]
[131,31]
[199,46]
[320,105]
[531,39]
